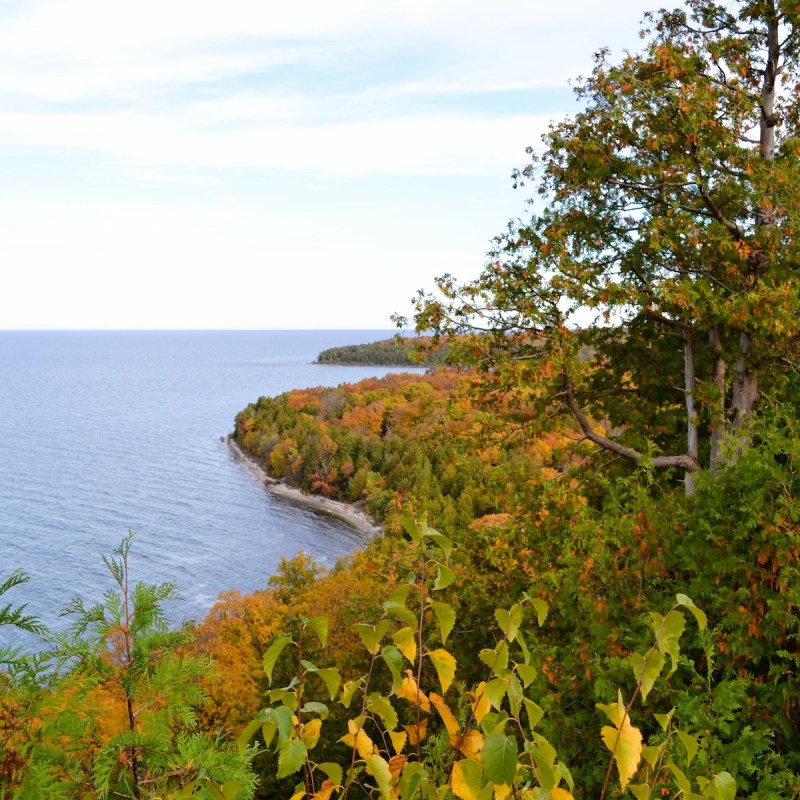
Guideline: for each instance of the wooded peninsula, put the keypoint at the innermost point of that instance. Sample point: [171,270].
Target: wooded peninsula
[587,584]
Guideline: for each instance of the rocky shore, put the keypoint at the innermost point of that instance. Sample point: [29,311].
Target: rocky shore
[352,515]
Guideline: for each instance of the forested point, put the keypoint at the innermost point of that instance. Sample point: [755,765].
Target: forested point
[588,584]
[404,351]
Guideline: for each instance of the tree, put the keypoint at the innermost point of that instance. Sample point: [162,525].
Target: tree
[658,289]
[121,721]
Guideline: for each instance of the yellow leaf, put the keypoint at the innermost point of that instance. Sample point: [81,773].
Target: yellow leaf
[445,667]
[469,744]
[626,745]
[466,780]
[406,642]
[358,739]
[480,704]
[501,791]
[410,691]
[298,795]
[561,794]
[416,733]
[325,791]
[450,722]
[398,740]
[396,764]
[309,732]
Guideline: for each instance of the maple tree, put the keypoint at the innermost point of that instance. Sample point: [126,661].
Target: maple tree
[657,289]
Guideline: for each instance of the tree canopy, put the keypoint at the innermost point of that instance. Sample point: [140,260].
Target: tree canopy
[657,288]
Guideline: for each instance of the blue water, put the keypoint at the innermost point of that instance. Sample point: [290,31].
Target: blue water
[101,432]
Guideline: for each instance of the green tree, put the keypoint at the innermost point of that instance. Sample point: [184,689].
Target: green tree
[121,720]
[658,288]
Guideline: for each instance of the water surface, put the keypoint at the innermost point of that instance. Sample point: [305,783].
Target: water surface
[102,432]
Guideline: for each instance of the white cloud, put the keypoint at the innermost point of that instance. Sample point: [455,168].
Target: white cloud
[320,160]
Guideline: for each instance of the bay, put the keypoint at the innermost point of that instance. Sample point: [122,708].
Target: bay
[102,432]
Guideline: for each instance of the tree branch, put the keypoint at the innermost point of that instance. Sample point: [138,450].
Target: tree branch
[685,461]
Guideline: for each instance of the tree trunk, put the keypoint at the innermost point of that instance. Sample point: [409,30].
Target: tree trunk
[745,383]
[718,413]
[692,441]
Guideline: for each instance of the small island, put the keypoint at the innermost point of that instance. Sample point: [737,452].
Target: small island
[399,351]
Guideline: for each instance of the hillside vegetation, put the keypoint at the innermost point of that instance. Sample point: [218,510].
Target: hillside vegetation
[589,584]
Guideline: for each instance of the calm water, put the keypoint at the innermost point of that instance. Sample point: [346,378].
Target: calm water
[105,431]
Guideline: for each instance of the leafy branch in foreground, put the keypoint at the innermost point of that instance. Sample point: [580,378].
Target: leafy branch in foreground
[121,720]
[14,616]
[410,733]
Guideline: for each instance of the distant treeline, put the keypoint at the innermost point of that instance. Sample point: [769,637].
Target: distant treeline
[395,352]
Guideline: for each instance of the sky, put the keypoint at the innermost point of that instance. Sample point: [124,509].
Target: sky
[255,164]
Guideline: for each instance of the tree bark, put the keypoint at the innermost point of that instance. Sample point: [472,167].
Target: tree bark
[745,383]
[718,422]
[692,437]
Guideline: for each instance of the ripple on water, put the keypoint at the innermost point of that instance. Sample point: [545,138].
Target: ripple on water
[102,432]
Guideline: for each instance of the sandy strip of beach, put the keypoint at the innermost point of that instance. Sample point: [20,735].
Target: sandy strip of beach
[353,516]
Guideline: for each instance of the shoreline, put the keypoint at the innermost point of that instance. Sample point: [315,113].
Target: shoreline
[353,516]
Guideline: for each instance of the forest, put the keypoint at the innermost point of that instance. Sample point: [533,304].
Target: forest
[401,351]
[587,585]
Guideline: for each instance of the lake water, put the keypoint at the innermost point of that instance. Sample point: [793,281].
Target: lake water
[101,432]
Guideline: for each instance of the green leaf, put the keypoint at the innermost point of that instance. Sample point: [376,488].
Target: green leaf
[668,632]
[699,615]
[566,775]
[542,609]
[316,708]
[535,713]
[544,755]
[499,757]
[213,790]
[372,635]
[445,666]
[268,731]
[509,621]
[447,618]
[400,595]
[282,717]
[641,791]
[399,612]
[726,785]
[652,753]
[497,658]
[526,672]
[333,772]
[646,671]
[320,626]
[291,756]
[230,789]
[691,745]
[247,734]
[664,719]
[495,692]
[330,675]
[411,779]
[444,577]
[394,660]
[411,528]
[274,650]
[442,542]
[380,705]
[680,779]
[379,769]
[286,697]
[348,690]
